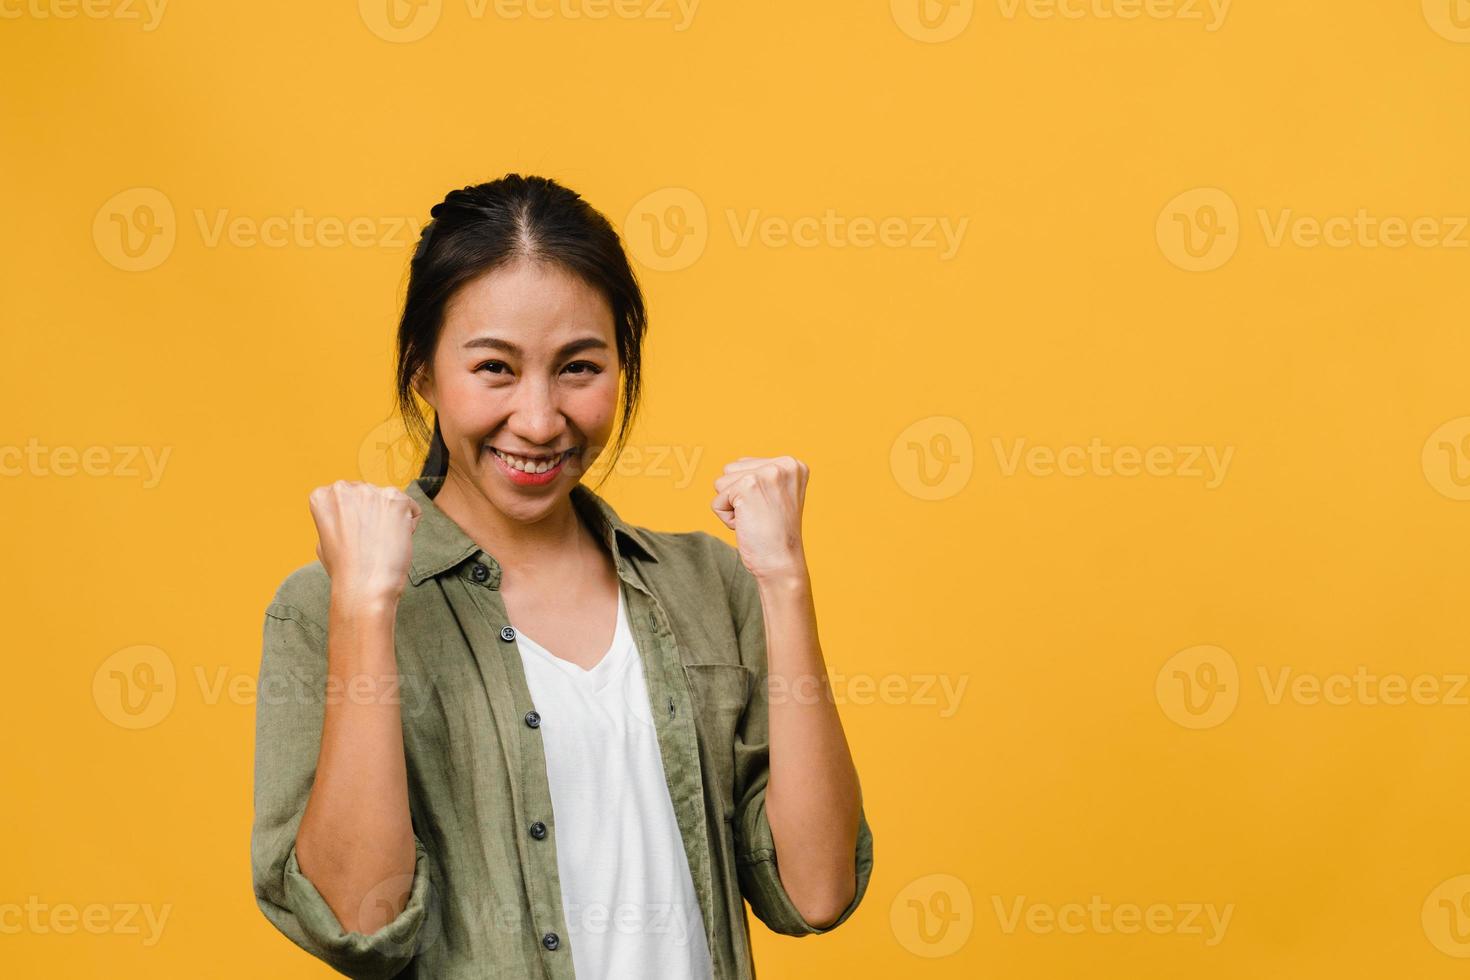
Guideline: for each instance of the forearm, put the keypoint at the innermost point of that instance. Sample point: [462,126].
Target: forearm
[812,798]
[356,835]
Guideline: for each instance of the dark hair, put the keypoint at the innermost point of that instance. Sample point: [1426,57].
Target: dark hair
[480,228]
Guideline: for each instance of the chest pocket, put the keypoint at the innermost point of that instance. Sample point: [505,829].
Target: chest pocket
[720,694]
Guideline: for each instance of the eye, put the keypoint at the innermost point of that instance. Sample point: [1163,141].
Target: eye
[489,364]
[591,368]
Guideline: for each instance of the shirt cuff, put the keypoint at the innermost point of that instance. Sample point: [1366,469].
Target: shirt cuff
[760,880]
[378,956]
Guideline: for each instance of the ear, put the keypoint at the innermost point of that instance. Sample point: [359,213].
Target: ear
[423,385]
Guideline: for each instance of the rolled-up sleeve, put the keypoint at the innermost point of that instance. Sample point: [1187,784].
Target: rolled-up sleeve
[290,706]
[755,848]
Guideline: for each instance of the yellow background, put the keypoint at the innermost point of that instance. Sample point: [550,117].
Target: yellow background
[1078,150]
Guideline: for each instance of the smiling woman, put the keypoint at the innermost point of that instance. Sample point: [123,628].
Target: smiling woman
[438,795]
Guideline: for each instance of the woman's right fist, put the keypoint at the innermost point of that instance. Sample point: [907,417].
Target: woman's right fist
[365,537]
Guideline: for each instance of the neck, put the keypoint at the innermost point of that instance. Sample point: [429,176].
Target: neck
[548,543]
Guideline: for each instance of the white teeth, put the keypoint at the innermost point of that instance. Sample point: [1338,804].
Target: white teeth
[527,465]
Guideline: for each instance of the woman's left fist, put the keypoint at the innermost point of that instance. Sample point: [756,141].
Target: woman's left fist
[760,500]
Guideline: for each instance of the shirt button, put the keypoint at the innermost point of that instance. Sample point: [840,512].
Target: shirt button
[533,719]
[480,572]
[551,940]
[538,830]
[507,633]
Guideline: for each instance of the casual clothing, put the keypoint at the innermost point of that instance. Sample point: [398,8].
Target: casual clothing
[486,896]
[626,891]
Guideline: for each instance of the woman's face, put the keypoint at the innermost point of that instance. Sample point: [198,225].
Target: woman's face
[525,379]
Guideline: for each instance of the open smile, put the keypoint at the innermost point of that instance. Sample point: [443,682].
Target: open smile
[531,470]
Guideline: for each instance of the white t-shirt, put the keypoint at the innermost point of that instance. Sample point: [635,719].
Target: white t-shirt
[626,890]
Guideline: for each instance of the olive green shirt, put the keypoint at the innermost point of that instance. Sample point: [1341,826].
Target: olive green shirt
[484,900]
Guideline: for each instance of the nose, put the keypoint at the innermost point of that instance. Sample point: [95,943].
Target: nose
[535,416]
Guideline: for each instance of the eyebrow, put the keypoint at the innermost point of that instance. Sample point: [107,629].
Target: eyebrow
[567,349]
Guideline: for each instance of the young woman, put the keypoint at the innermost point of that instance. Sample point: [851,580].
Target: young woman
[502,732]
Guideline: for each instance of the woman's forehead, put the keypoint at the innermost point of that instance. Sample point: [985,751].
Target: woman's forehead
[540,305]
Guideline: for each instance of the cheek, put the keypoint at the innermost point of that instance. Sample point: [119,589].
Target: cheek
[594,408]
[467,407]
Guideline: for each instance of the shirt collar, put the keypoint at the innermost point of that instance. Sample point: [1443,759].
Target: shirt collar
[440,544]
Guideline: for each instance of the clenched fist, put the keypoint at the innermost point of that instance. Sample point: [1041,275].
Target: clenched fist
[365,538]
[761,500]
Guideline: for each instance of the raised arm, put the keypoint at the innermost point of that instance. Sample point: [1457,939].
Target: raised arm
[810,803]
[356,833]
[335,863]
